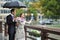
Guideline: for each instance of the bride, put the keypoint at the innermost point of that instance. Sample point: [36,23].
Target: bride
[20,34]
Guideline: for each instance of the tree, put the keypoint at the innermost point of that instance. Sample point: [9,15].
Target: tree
[51,8]
[33,11]
[19,11]
[33,8]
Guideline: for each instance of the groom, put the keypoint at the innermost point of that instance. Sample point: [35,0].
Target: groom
[11,24]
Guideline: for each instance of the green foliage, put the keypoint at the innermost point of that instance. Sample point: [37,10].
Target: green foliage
[35,33]
[19,11]
[51,8]
[33,10]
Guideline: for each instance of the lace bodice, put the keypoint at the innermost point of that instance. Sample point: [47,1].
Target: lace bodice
[21,21]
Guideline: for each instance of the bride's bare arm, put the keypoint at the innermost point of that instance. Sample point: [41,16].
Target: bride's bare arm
[28,22]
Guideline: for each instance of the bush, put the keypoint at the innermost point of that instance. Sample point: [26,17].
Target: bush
[34,33]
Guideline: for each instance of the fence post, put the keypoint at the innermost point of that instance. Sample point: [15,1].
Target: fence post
[25,32]
[44,35]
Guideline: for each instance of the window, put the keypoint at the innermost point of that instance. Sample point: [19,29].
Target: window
[8,11]
[5,0]
[1,11]
[5,11]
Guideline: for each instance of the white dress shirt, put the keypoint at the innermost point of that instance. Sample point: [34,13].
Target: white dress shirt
[13,17]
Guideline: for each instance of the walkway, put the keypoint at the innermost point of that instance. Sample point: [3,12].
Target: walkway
[8,38]
[0,36]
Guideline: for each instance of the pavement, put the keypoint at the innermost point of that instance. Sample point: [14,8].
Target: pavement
[0,36]
[7,38]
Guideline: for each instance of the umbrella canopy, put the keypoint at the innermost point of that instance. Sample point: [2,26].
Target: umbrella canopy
[14,4]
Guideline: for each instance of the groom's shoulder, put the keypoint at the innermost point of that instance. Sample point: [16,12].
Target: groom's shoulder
[8,15]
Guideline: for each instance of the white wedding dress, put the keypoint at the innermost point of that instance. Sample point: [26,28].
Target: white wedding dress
[20,34]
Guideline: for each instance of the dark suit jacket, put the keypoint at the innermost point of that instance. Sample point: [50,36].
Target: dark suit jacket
[11,24]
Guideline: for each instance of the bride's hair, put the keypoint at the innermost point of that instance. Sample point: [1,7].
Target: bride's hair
[21,14]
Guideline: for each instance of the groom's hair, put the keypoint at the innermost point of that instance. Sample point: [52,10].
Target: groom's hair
[12,10]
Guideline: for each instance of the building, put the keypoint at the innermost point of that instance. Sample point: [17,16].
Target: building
[3,11]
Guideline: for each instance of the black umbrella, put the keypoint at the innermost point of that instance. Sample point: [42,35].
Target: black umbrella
[14,4]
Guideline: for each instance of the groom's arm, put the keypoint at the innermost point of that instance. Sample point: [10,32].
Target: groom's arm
[10,20]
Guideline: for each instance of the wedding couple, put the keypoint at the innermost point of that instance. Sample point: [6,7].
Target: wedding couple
[13,22]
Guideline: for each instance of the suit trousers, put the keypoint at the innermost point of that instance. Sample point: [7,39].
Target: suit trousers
[11,36]
[11,32]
